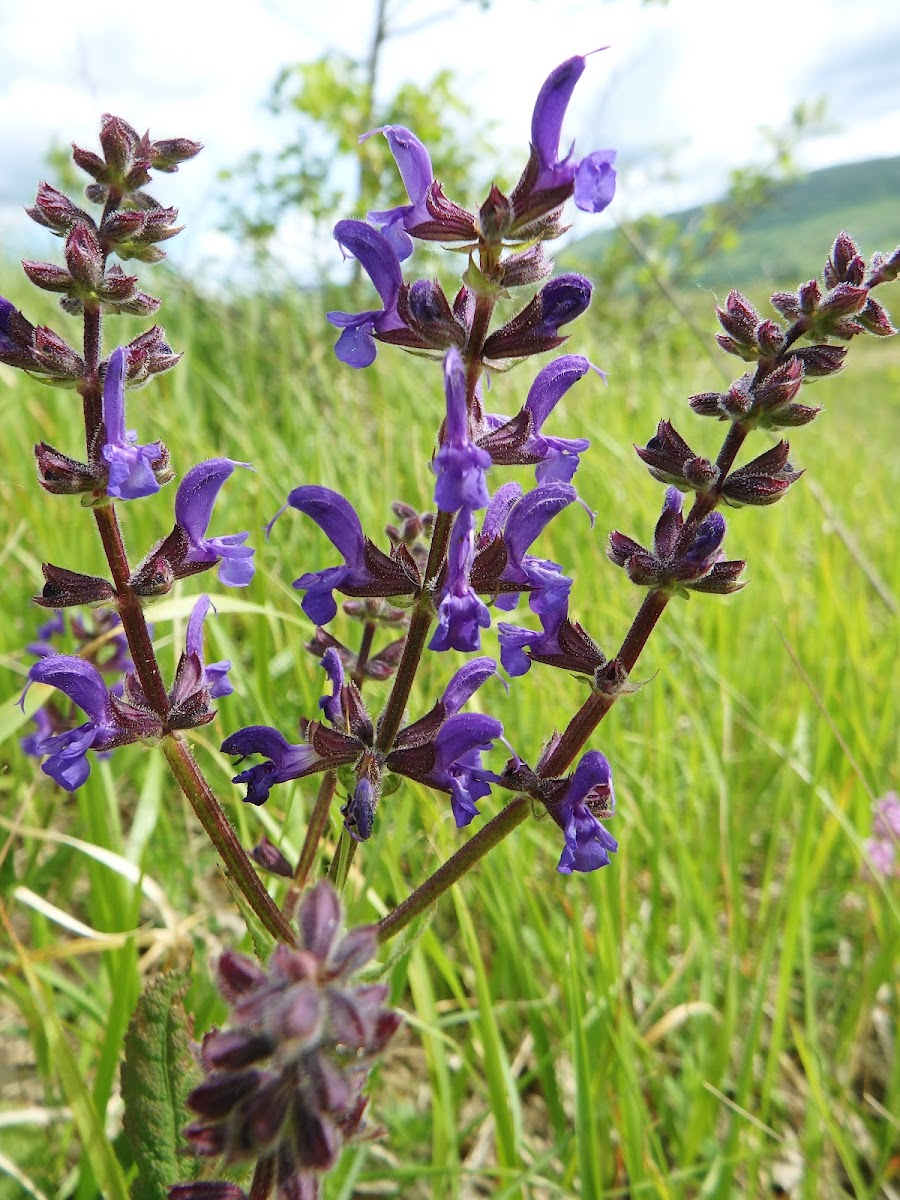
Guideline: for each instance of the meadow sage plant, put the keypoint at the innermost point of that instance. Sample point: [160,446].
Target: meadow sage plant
[282,1087]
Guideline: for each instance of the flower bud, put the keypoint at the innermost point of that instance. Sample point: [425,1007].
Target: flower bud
[149,354]
[874,318]
[844,264]
[89,162]
[425,309]
[494,216]
[48,276]
[64,476]
[844,300]
[762,481]
[117,287]
[55,211]
[64,588]
[883,268]
[119,142]
[84,258]
[536,328]
[671,460]
[167,153]
[739,318]
[267,855]
[769,338]
[55,357]
[819,361]
[809,297]
[529,267]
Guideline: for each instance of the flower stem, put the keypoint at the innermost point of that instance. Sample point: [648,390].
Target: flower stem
[365,649]
[343,857]
[455,867]
[392,717]
[314,830]
[223,837]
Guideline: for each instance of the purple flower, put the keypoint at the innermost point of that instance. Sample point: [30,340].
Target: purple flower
[465,682]
[459,465]
[672,567]
[379,260]
[67,760]
[461,613]
[194,502]
[131,473]
[443,749]
[536,328]
[359,812]
[416,172]
[457,765]
[215,674]
[366,570]
[520,440]
[561,643]
[594,177]
[284,761]
[590,791]
[526,520]
[331,705]
[47,630]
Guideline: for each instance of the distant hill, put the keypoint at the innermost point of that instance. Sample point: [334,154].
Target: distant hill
[788,238]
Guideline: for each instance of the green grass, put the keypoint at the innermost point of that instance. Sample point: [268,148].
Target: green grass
[713,1011]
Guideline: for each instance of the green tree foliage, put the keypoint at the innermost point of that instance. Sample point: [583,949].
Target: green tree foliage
[323,169]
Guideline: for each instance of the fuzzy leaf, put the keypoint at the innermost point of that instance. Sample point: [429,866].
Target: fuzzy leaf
[156,1077]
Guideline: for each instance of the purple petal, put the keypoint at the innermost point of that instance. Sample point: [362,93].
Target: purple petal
[532,514]
[336,517]
[513,641]
[331,705]
[68,765]
[130,466]
[595,181]
[77,679]
[197,494]
[460,619]
[114,397]
[502,503]
[359,814]
[459,465]
[466,682]
[461,734]
[131,474]
[215,674]
[588,844]
[376,256]
[549,111]
[413,162]
[461,613]
[194,638]
[235,559]
[285,760]
[552,383]
[562,300]
[416,172]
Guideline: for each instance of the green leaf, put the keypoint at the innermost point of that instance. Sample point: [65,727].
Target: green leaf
[156,1077]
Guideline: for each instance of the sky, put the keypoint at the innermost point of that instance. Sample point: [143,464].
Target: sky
[681,92]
